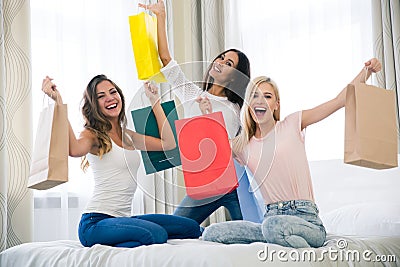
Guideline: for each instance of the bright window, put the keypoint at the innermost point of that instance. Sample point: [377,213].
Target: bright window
[312,49]
[72,41]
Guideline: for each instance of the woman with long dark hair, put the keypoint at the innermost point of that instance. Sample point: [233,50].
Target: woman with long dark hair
[222,90]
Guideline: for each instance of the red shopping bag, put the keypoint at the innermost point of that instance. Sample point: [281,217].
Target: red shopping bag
[207,163]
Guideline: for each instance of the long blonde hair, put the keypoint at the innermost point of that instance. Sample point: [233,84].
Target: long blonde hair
[248,124]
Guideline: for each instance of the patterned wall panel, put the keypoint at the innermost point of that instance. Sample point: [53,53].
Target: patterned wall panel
[16,134]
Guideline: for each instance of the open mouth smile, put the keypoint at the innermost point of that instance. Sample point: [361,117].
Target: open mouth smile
[112,106]
[260,111]
[216,68]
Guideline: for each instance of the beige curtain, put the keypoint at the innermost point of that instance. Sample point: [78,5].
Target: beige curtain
[199,35]
[386,34]
[16,207]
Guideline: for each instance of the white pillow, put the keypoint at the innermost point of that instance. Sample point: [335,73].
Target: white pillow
[367,219]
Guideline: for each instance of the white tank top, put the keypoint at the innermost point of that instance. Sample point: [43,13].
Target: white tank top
[115,181]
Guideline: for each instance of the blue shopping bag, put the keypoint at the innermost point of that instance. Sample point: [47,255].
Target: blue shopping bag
[250,205]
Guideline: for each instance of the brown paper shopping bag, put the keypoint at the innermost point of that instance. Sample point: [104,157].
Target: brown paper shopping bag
[49,165]
[371,133]
[143,28]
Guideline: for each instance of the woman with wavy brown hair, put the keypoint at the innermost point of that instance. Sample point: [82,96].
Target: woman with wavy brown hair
[111,150]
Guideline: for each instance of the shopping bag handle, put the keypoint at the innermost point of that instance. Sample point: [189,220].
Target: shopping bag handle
[43,100]
[366,74]
[147,2]
[48,99]
[144,100]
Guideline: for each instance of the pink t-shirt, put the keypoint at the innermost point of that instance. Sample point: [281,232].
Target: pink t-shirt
[279,163]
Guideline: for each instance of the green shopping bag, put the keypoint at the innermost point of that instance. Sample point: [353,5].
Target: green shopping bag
[145,123]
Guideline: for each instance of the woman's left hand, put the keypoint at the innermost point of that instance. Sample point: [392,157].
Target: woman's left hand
[204,104]
[151,92]
[373,65]
[158,8]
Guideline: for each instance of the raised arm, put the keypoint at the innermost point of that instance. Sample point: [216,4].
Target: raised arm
[322,111]
[167,139]
[78,147]
[159,10]
[183,88]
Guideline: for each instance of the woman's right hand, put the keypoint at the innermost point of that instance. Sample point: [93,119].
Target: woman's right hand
[157,8]
[50,89]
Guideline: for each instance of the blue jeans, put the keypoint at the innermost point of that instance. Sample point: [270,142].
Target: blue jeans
[199,210]
[288,223]
[99,228]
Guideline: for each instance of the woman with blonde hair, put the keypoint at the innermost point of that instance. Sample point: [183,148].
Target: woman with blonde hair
[274,151]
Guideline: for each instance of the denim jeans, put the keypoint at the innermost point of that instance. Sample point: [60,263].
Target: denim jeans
[288,223]
[199,210]
[98,228]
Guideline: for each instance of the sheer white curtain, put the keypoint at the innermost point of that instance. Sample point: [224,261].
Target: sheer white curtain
[72,41]
[312,49]
[157,193]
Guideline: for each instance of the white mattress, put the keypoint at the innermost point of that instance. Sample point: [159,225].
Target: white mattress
[195,252]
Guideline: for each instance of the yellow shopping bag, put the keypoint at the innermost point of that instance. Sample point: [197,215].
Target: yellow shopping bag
[143,28]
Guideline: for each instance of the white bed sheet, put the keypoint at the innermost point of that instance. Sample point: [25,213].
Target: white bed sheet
[196,252]
[339,190]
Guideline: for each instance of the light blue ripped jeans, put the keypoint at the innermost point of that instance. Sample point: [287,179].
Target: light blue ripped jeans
[292,223]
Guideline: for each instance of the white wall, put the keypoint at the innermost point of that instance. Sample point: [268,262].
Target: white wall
[337,184]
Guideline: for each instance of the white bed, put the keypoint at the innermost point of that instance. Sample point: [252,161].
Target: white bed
[359,207]
[202,253]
